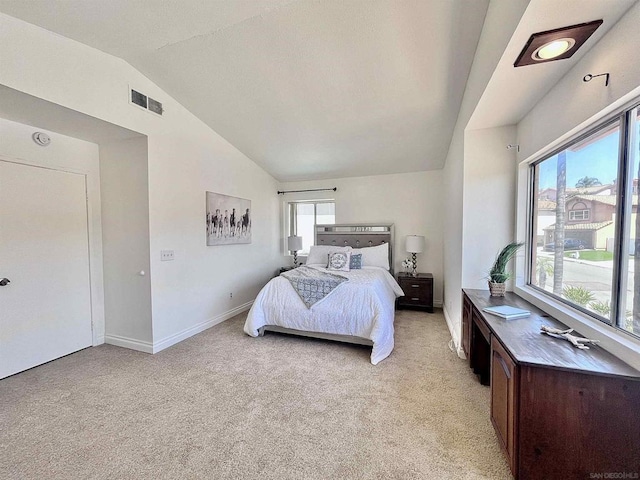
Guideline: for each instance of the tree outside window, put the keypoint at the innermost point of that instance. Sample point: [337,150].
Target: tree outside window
[586,195]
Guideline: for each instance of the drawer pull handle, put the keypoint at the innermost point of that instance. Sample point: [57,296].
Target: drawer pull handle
[415,299]
[415,286]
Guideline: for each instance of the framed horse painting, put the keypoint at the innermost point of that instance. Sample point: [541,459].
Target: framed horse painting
[228,219]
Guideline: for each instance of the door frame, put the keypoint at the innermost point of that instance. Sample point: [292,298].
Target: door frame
[94,238]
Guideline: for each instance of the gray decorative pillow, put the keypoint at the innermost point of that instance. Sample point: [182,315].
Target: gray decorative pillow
[339,261]
[356,261]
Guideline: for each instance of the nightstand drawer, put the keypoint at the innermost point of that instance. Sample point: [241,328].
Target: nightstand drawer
[417,301]
[415,289]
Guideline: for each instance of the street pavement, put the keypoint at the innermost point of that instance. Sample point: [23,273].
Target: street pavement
[594,276]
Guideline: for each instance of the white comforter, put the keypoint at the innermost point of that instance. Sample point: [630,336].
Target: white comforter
[362,307]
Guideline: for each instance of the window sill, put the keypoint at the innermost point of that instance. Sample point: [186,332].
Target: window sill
[623,346]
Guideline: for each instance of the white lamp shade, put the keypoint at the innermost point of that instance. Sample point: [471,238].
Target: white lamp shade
[414,244]
[294,243]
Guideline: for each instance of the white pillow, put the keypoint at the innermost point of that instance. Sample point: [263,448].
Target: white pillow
[339,261]
[318,254]
[377,256]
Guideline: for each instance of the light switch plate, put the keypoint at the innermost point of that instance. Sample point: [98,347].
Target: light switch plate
[166,255]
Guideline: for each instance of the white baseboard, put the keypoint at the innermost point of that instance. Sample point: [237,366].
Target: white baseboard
[99,340]
[455,333]
[437,303]
[189,332]
[133,344]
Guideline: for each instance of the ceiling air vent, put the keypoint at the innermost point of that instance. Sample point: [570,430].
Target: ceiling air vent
[148,103]
[155,106]
[138,99]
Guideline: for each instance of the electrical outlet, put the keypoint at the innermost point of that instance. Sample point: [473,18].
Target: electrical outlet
[231,295]
[166,255]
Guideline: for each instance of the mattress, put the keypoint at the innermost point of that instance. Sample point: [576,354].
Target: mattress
[362,307]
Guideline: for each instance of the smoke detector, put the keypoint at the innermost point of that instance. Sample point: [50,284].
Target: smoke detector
[41,138]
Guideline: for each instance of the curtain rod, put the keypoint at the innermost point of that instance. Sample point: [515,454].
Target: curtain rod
[313,190]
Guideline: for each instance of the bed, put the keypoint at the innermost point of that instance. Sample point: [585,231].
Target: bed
[359,310]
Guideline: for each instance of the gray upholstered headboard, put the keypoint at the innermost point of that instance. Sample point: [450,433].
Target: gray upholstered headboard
[356,236]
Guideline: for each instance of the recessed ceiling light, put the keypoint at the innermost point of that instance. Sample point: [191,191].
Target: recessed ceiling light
[553,49]
[555,44]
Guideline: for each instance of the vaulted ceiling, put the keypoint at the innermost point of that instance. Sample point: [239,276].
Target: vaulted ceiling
[312,89]
[305,88]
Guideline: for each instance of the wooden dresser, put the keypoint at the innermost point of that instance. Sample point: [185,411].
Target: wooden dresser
[559,412]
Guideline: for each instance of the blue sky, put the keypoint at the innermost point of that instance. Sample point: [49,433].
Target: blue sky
[598,159]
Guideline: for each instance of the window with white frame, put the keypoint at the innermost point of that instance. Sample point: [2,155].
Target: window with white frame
[593,267]
[305,214]
[579,215]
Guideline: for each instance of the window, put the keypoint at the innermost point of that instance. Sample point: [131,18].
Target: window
[304,215]
[589,258]
[579,215]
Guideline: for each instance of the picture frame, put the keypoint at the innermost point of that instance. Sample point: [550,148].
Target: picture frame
[228,219]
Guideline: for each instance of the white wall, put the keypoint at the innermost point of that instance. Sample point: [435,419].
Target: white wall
[125,243]
[489,210]
[185,158]
[67,154]
[411,201]
[198,283]
[500,22]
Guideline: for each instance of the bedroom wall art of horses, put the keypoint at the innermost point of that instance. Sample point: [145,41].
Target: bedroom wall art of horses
[228,219]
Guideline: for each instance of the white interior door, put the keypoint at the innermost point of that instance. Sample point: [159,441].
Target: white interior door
[45,310]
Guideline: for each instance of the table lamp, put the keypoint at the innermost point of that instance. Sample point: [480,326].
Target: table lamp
[294,243]
[413,245]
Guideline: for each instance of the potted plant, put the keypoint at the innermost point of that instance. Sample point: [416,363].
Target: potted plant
[498,274]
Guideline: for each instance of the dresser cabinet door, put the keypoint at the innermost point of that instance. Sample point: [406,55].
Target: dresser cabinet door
[503,400]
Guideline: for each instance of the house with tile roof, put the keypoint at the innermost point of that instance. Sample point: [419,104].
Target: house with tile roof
[590,218]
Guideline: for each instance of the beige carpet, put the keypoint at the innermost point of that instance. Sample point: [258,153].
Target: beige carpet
[223,405]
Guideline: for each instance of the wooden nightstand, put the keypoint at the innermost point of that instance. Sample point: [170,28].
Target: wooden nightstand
[418,291]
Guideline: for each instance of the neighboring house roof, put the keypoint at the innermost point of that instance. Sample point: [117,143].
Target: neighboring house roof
[606,199]
[546,205]
[590,190]
[582,226]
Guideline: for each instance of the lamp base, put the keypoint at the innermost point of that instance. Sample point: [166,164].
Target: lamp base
[295,259]
[413,259]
